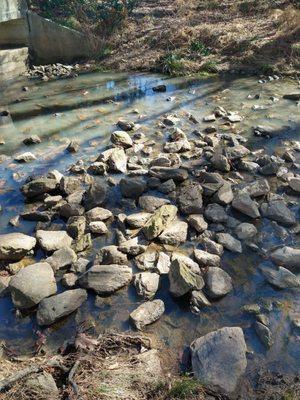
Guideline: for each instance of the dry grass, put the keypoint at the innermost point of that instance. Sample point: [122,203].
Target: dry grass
[247,34]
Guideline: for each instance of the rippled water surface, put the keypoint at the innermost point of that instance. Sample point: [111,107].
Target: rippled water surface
[86,109]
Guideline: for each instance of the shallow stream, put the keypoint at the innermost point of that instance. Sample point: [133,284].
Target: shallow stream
[86,108]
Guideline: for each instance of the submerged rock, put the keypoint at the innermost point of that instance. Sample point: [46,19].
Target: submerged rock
[229,242]
[106,279]
[32,284]
[278,211]
[147,313]
[221,368]
[264,334]
[286,256]
[282,278]
[53,308]
[15,246]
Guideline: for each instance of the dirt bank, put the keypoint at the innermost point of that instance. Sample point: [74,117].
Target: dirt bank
[190,36]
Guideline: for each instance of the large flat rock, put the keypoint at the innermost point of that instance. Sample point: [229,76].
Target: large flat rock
[14,246]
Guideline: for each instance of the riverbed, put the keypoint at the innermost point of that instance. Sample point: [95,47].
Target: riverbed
[87,108]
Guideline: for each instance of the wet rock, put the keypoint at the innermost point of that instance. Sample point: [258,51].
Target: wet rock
[189,198]
[243,203]
[118,160]
[112,255]
[277,210]
[53,240]
[292,96]
[147,313]
[205,259]
[257,188]
[183,279]
[163,263]
[98,227]
[224,195]
[146,284]
[95,196]
[97,168]
[175,233]
[264,334]
[159,221]
[125,125]
[98,214]
[286,256]
[122,139]
[217,283]
[25,157]
[76,226]
[220,162]
[264,131]
[215,213]
[56,307]
[73,146]
[282,278]
[221,368]
[42,383]
[294,184]
[68,210]
[132,188]
[229,242]
[245,231]
[167,187]
[34,139]
[4,285]
[236,152]
[69,185]
[159,88]
[198,300]
[62,258]
[212,247]
[197,222]
[32,284]
[39,187]
[165,173]
[69,280]
[106,279]
[14,246]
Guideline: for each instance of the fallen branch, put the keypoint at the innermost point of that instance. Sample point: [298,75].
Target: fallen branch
[7,383]
[71,381]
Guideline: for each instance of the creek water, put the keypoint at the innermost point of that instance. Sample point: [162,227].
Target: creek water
[86,108]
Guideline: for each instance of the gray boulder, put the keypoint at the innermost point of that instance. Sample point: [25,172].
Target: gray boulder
[217,282]
[38,187]
[183,279]
[62,258]
[53,240]
[229,242]
[151,203]
[98,214]
[106,279]
[56,307]
[189,198]
[245,231]
[243,203]
[132,188]
[42,383]
[159,221]
[277,210]
[121,138]
[95,196]
[282,278]
[197,222]
[146,284]
[215,213]
[219,359]
[32,284]
[286,256]
[111,255]
[205,259]
[138,220]
[174,234]
[147,313]
[14,246]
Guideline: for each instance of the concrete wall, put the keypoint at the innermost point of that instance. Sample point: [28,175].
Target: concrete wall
[14,33]
[12,9]
[50,42]
[13,62]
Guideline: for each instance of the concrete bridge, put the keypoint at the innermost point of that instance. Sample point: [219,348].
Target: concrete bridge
[26,36]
